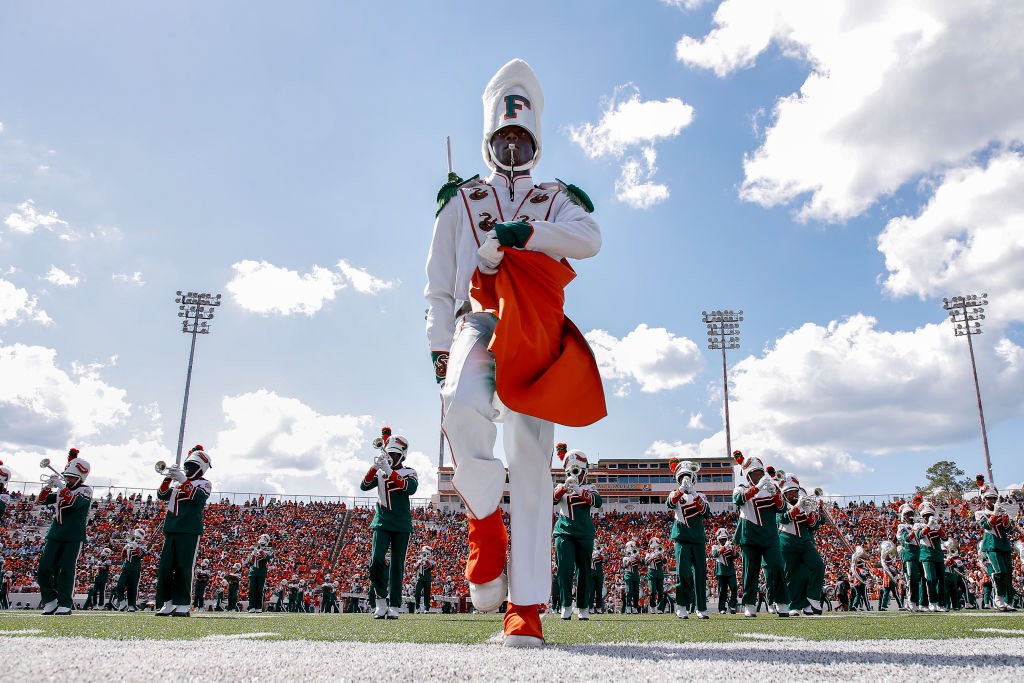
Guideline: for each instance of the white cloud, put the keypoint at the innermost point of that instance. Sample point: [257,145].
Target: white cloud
[674,449]
[696,421]
[685,4]
[969,238]
[635,187]
[26,219]
[896,90]
[129,278]
[58,277]
[262,287]
[277,444]
[42,405]
[653,357]
[17,305]
[629,123]
[361,280]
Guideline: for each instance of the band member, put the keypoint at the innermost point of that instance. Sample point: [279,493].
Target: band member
[802,566]
[930,536]
[5,498]
[861,575]
[328,596]
[259,560]
[71,500]
[392,523]
[690,509]
[631,577]
[424,578]
[526,351]
[278,595]
[597,580]
[724,554]
[186,493]
[574,531]
[757,533]
[201,582]
[233,579]
[5,588]
[985,578]
[655,561]
[131,571]
[996,526]
[102,576]
[294,594]
[906,536]
[890,585]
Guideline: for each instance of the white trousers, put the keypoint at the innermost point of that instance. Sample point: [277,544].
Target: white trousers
[470,413]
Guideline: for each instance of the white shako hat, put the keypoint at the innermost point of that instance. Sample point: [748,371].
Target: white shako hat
[513,97]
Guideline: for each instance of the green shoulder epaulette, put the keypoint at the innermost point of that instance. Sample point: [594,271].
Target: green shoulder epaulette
[576,196]
[448,190]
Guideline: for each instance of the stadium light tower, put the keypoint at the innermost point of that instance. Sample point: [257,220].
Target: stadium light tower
[196,311]
[724,333]
[966,314]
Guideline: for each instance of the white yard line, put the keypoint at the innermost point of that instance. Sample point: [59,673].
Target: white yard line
[873,661]
[22,632]
[1000,630]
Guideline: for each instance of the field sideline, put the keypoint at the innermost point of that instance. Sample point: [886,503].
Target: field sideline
[872,647]
[482,628]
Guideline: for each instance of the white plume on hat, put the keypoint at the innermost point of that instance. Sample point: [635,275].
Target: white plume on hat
[515,80]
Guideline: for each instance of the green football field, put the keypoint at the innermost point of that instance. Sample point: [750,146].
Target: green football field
[470,629]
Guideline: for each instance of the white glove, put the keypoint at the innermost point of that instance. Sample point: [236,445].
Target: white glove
[572,486]
[768,486]
[489,255]
[174,472]
[381,462]
[55,482]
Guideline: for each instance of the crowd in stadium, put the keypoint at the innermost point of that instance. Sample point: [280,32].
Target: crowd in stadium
[303,536]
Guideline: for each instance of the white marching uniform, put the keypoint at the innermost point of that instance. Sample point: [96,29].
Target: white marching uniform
[561,229]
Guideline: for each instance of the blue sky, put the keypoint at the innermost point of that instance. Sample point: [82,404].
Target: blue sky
[745,154]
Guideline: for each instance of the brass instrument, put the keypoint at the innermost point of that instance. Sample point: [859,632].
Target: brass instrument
[47,478]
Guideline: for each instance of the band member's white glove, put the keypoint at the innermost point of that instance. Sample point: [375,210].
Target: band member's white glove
[55,482]
[382,463]
[489,255]
[174,472]
[572,486]
[768,486]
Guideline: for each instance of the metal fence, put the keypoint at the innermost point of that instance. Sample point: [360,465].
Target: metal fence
[234,497]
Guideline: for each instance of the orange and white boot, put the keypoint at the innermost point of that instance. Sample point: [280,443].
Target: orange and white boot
[485,568]
[522,626]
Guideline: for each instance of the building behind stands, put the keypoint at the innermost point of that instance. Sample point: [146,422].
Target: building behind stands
[625,485]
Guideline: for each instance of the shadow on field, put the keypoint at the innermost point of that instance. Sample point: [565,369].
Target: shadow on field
[806,652]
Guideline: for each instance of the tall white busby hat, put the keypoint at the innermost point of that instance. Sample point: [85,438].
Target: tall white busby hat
[513,97]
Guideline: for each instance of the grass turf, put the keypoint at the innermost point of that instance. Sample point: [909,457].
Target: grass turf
[438,628]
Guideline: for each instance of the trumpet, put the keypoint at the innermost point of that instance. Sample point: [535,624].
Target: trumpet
[378,442]
[46,478]
[160,466]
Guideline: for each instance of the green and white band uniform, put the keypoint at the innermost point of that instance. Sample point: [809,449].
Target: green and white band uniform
[424,580]
[997,529]
[933,561]
[392,522]
[259,561]
[631,561]
[910,553]
[56,572]
[183,526]
[803,567]
[574,540]
[757,534]
[689,512]
[202,580]
[724,555]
